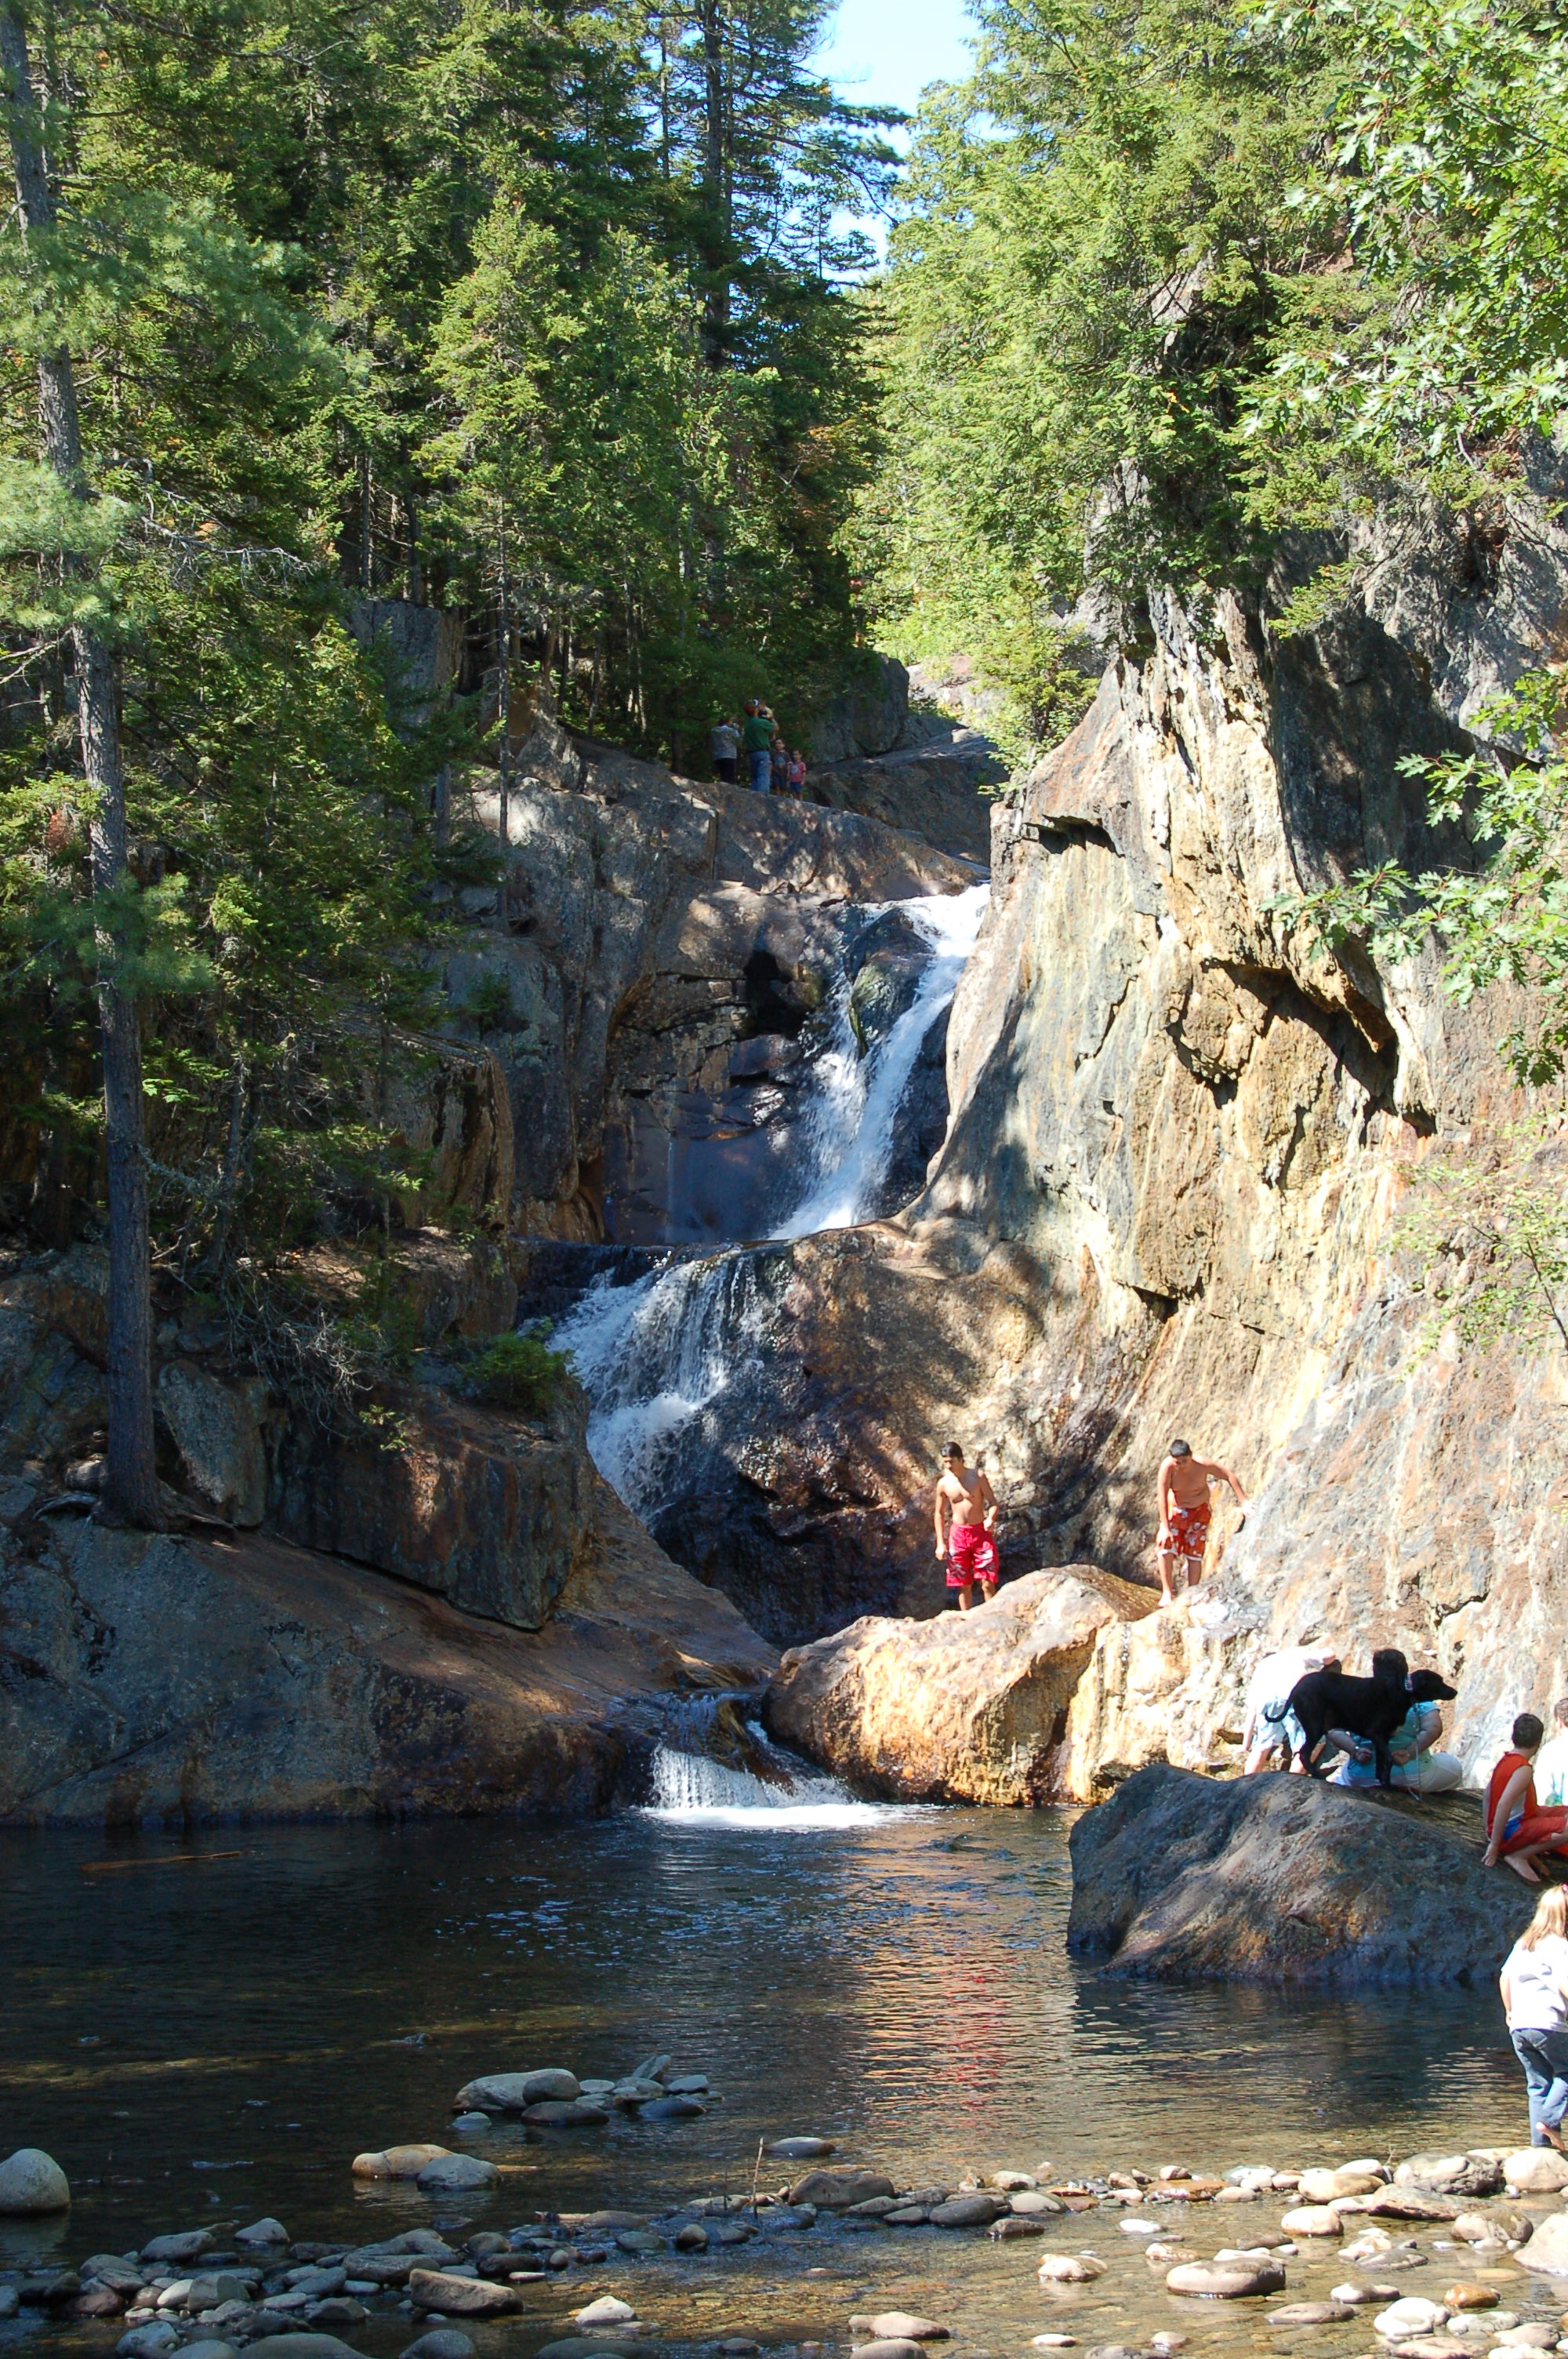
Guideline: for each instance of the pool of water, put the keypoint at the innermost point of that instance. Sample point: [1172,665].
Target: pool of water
[199,2044]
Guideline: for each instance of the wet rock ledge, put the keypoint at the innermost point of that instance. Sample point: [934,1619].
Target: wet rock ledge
[1282,1879]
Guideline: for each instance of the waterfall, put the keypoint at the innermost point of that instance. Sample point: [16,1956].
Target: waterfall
[652,1354]
[856,1098]
[777,1793]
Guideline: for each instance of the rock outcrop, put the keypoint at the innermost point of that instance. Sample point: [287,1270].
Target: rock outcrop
[1282,1879]
[664,947]
[969,1708]
[492,1629]
[169,1680]
[1168,1203]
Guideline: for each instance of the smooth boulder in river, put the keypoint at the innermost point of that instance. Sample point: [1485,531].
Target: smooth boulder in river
[32,2181]
[837,2187]
[962,1709]
[1281,1879]
[509,2093]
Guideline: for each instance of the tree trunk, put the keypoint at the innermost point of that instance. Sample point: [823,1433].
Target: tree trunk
[715,192]
[132,1487]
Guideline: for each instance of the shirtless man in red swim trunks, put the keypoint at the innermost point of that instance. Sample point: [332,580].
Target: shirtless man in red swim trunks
[964,1496]
[1184,1513]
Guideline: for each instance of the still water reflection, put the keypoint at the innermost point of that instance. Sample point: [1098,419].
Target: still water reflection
[211,2042]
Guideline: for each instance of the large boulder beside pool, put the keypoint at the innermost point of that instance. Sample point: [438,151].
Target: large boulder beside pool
[1282,1879]
[970,1708]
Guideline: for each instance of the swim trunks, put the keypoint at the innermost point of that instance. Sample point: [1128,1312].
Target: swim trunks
[1189,1532]
[971,1555]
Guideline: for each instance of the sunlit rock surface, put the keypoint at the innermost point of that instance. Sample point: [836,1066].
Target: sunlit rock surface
[965,1708]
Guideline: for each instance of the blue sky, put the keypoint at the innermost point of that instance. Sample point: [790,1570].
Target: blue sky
[883,52]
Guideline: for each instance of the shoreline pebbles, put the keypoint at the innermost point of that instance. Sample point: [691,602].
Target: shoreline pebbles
[206,2293]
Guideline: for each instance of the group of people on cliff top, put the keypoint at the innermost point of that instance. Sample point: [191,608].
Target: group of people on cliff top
[771,766]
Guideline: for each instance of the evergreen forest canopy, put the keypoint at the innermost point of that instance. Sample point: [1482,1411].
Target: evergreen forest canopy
[545,314]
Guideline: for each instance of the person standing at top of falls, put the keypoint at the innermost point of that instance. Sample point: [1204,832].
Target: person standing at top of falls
[757,738]
[1184,1513]
[726,744]
[966,1512]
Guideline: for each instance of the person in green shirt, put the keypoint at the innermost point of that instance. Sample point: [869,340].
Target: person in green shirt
[757,737]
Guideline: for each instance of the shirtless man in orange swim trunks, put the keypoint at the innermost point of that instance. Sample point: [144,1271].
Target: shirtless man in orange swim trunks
[964,1496]
[1184,1513]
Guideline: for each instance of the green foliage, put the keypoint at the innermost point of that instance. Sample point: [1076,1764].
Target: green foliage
[1506,918]
[1490,1222]
[488,1002]
[419,299]
[519,1371]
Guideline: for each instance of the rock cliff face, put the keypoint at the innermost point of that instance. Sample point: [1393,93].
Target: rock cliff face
[492,1629]
[1166,1204]
[664,947]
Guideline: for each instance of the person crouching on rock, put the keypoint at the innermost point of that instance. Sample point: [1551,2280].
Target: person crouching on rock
[1534,1985]
[1185,1512]
[966,1511]
[1517,1829]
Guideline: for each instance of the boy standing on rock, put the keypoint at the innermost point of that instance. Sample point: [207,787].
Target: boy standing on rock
[1184,1513]
[966,1511]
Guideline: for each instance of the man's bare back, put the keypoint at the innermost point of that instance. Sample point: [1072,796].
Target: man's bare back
[966,1511]
[1182,1491]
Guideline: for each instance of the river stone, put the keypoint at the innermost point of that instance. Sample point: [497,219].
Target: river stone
[1451,2174]
[1360,2295]
[837,2187]
[393,2162]
[456,2174]
[1549,2244]
[1465,2296]
[460,2297]
[903,2326]
[692,2238]
[587,2346]
[970,2210]
[1406,2204]
[907,2215]
[889,2347]
[1226,2280]
[1312,2313]
[1536,2170]
[1413,2315]
[440,2343]
[93,2301]
[150,2341]
[673,2109]
[587,2223]
[1070,2269]
[212,2347]
[561,2113]
[1535,2334]
[1035,2199]
[607,2310]
[1014,2223]
[651,2067]
[32,2181]
[1323,2185]
[263,2232]
[509,2093]
[184,2246]
[296,2346]
[687,2085]
[801,2149]
[1313,2220]
[639,2240]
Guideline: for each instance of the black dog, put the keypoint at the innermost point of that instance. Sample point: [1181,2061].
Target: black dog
[1370,1708]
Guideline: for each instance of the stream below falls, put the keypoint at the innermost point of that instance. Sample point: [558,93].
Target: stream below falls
[201,2044]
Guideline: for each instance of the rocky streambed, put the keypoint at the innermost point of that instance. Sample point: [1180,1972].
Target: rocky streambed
[1440,2257]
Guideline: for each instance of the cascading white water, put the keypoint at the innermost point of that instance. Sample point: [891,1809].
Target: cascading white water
[851,1121]
[690,1788]
[653,1355]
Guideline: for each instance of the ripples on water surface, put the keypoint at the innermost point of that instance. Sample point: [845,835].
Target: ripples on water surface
[208,2043]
